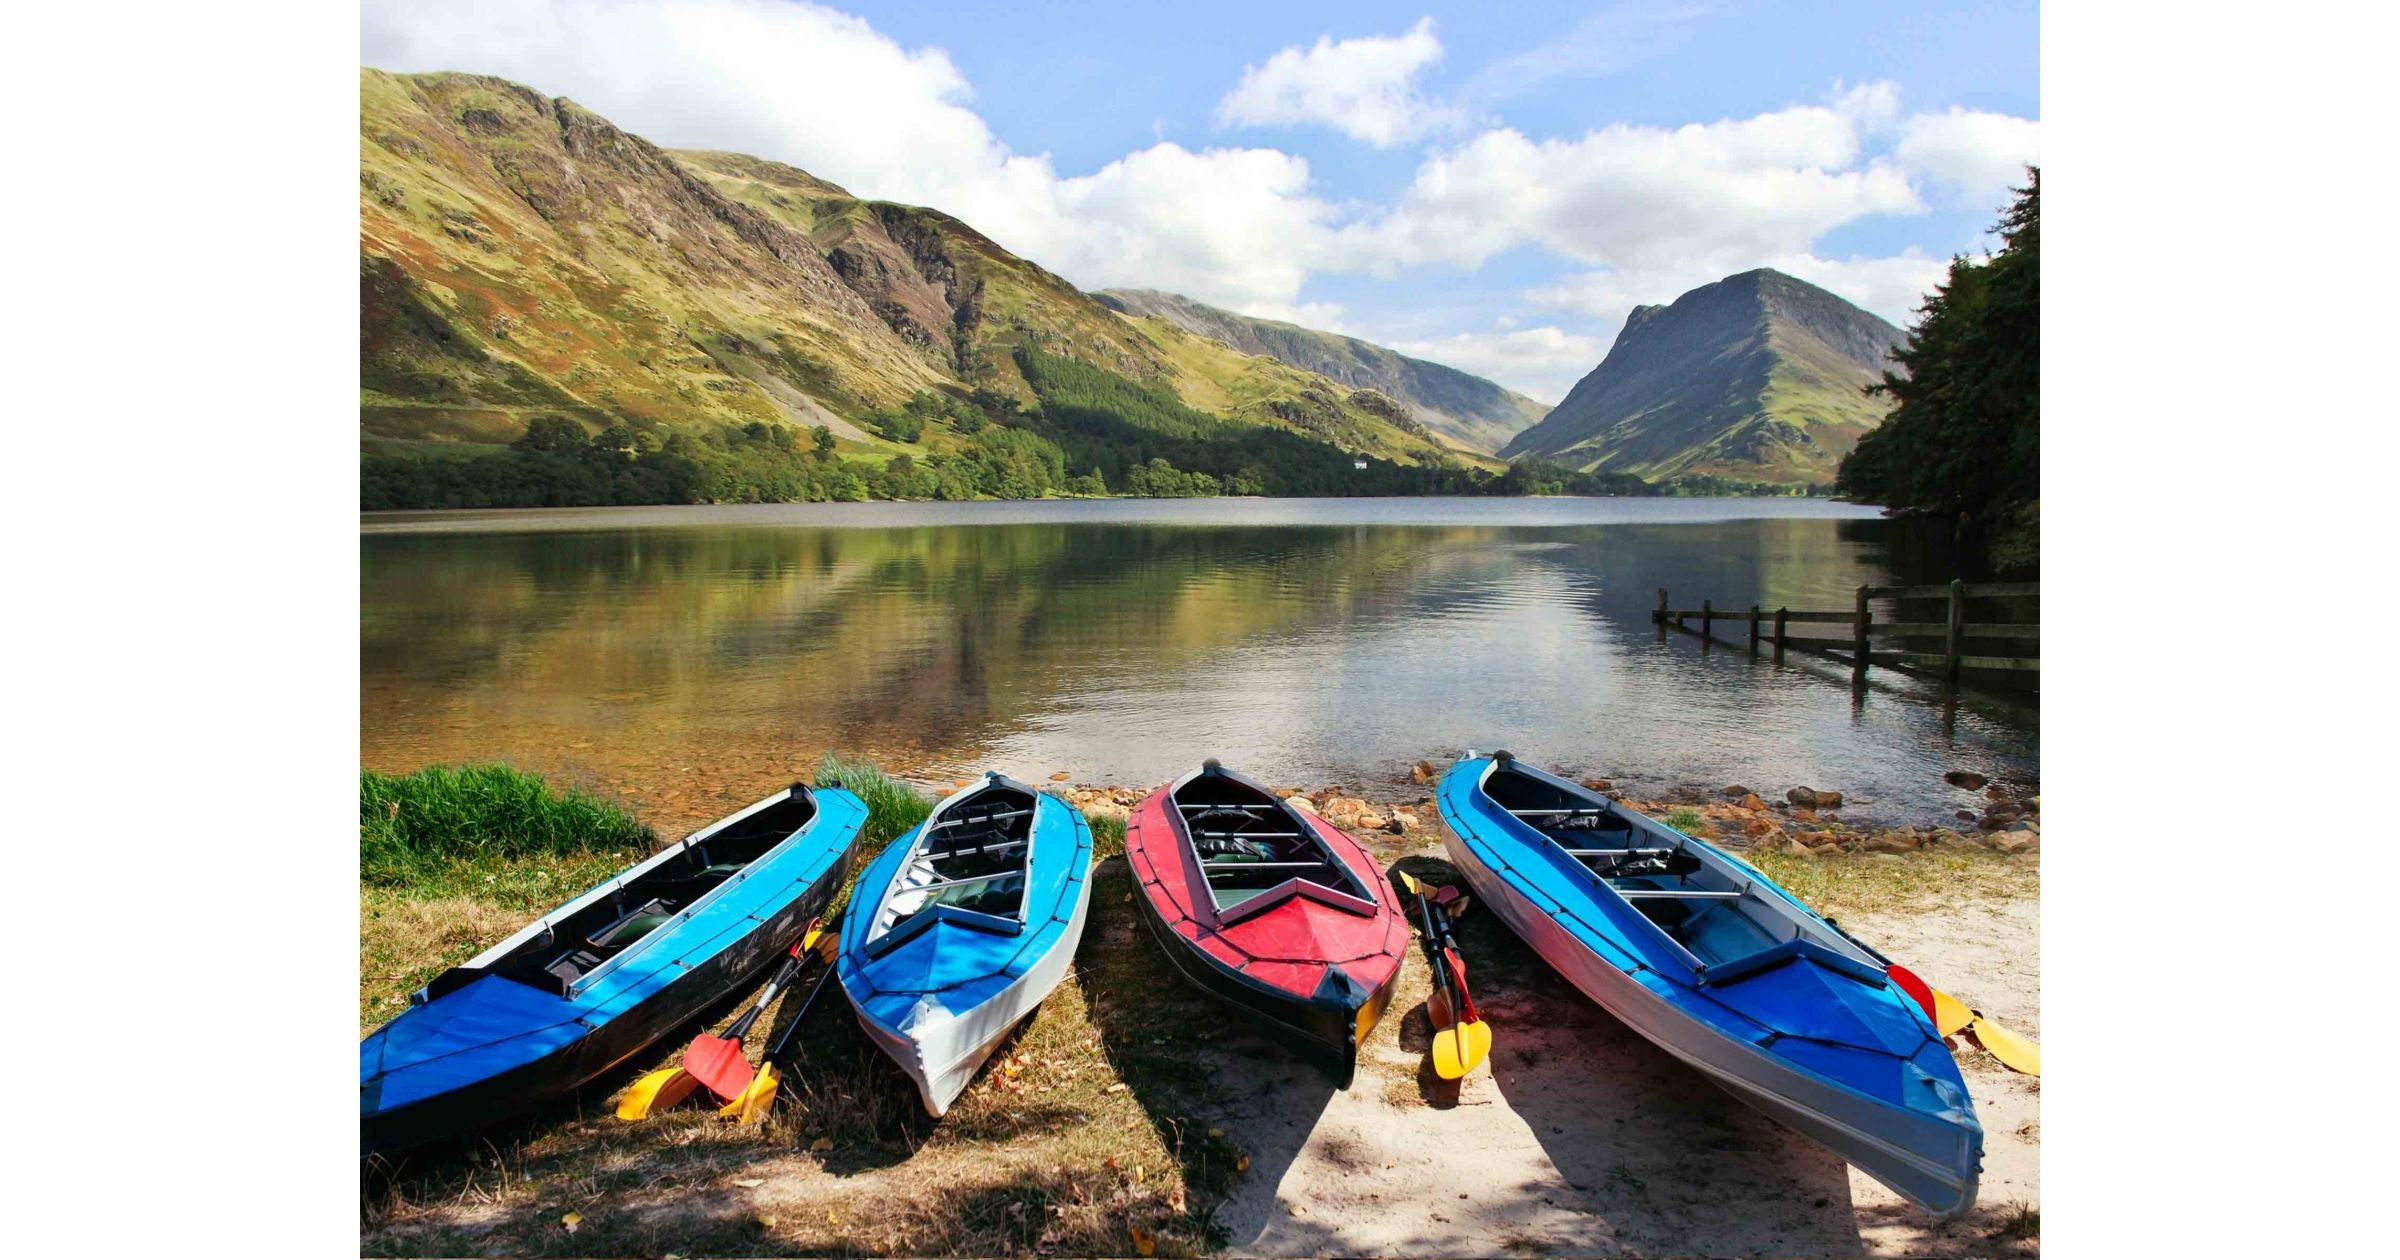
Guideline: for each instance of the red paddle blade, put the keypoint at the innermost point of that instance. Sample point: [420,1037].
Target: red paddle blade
[719,1064]
[1458,977]
[1914,988]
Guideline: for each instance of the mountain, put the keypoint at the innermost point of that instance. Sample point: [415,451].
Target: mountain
[1756,378]
[1472,412]
[520,256]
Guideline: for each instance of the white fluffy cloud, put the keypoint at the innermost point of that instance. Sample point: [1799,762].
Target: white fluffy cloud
[1365,88]
[1543,362]
[827,92]
[1980,154]
[1641,197]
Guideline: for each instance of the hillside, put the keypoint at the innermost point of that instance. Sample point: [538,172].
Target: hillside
[1756,377]
[1471,412]
[521,257]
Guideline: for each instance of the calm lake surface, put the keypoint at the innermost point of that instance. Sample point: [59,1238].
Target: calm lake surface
[690,659]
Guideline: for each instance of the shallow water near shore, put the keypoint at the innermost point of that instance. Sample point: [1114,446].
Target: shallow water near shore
[690,658]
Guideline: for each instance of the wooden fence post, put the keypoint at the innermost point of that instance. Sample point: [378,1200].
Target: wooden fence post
[1753,629]
[1660,616]
[1779,619]
[1958,620]
[1708,613]
[1858,634]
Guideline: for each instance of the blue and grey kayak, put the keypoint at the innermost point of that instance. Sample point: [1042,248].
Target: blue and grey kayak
[960,928]
[1719,966]
[586,987]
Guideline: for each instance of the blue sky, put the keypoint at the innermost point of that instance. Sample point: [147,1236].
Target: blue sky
[1490,187]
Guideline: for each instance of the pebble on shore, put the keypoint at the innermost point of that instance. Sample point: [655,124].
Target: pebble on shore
[1803,822]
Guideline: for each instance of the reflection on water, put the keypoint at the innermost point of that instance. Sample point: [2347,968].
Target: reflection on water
[690,659]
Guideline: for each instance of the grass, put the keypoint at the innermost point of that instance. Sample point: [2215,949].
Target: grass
[1687,821]
[415,829]
[892,806]
[2019,1223]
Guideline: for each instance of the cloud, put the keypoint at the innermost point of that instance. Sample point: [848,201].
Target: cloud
[1542,363]
[1640,197]
[1891,287]
[1365,88]
[1979,154]
[1601,44]
[1875,106]
[826,92]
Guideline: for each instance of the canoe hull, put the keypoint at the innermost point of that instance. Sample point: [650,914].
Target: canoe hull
[1324,1027]
[941,1059]
[938,996]
[1793,1098]
[460,1111]
[479,1047]
[1313,967]
[1930,1154]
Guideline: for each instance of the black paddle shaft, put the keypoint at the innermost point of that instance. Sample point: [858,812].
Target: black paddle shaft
[1442,978]
[776,1051]
[783,976]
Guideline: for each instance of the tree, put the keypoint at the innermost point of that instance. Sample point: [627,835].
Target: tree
[1964,436]
[823,439]
[552,435]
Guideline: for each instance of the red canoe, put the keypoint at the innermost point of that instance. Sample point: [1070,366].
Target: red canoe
[1269,908]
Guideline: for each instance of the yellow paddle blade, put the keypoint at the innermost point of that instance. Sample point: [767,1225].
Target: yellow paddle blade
[808,940]
[662,1088]
[1457,1049]
[1478,1039]
[757,1098]
[2015,1051]
[1950,1014]
[1408,882]
[1449,1055]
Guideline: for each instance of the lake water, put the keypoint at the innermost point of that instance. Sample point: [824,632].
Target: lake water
[693,658]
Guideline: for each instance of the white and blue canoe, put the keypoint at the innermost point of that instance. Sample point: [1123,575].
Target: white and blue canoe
[1720,967]
[961,927]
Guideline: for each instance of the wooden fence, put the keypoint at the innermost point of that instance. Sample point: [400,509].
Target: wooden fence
[1857,648]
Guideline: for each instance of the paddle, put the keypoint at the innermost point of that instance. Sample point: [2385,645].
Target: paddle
[1949,1015]
[758,1097]
[718,1062]
[1461,1039]
[671,1085]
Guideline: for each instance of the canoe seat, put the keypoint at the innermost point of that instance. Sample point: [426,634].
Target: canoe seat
[633,925]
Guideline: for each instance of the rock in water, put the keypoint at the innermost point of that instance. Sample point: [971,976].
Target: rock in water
[1968,779]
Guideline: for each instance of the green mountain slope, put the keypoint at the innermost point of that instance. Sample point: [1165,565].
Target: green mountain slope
[1756,377]
[519,256]
[1474,413]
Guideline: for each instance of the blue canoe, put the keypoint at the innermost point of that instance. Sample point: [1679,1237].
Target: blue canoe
[961,927]
[1717,965]
[588,986]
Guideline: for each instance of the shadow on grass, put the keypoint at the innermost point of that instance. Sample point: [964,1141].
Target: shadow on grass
[1233,1106]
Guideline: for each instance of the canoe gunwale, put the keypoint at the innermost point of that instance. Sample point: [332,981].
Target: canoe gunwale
[1030,979]
[613,1037]
[567,910]
[882,938]
[1809,1101]
[1275,895]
